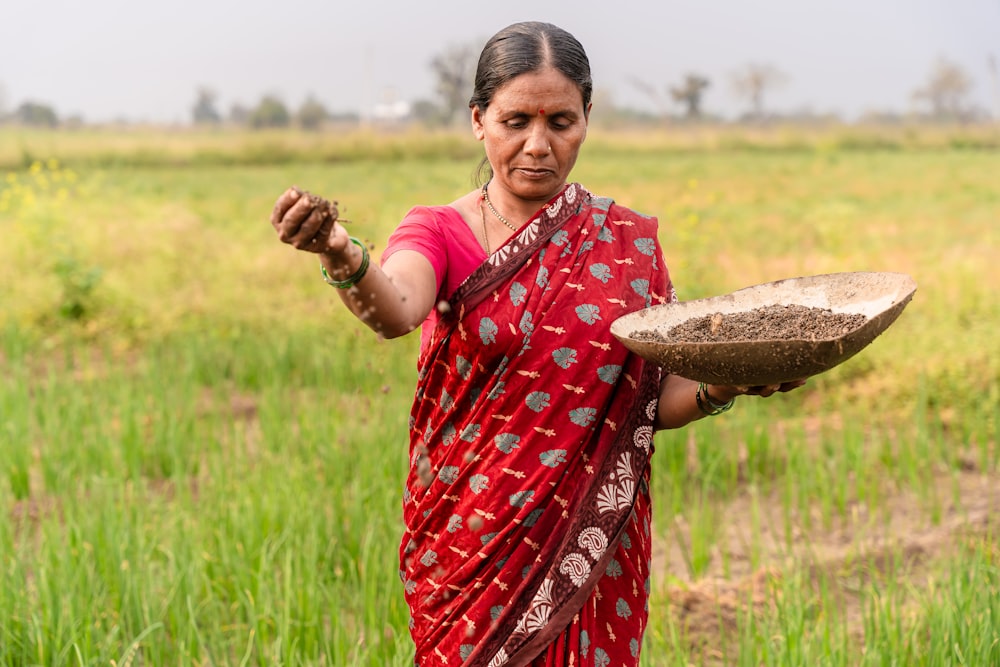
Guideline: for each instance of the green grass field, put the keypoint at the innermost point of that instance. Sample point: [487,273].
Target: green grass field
[202,453]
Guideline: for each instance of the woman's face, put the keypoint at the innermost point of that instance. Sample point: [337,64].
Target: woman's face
[532,131]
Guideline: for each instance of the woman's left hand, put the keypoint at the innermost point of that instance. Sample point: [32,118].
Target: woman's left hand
[681,399]
[723,393]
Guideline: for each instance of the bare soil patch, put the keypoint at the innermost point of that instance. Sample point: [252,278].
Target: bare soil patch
[900,541]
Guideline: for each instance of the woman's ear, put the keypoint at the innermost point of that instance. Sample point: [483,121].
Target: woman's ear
[478,129]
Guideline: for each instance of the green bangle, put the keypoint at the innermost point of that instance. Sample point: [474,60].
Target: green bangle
[354,278]
[707,406]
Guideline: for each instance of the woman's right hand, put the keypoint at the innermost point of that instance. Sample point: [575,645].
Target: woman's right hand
[397,295]
[308,222]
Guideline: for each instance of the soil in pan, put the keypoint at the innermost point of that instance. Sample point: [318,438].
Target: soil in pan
[774,322]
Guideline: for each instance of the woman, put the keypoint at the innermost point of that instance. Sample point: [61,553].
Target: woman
[526,508]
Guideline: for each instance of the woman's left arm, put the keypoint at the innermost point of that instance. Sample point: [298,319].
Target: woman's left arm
[680,402]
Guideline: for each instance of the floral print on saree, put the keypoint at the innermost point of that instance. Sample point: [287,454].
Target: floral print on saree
[526,511]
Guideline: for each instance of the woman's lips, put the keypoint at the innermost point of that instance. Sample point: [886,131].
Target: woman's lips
[531,172]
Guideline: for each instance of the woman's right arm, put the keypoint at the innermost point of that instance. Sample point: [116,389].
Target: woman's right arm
[392,300]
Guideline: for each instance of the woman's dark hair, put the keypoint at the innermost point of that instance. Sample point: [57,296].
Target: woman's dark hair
[528,47]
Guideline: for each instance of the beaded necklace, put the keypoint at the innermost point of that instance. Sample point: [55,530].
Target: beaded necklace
[486,198]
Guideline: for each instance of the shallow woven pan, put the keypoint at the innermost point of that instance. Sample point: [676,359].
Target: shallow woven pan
[880,297]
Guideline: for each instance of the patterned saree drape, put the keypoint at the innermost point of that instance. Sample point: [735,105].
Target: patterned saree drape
[531,433]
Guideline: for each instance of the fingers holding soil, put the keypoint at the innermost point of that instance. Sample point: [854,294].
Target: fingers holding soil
[287,199]
[308,232]
[293,218]
[327,214]
[308,223]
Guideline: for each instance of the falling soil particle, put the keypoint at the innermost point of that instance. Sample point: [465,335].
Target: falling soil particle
[775,322]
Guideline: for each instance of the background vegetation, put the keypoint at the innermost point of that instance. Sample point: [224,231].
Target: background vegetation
[202,454]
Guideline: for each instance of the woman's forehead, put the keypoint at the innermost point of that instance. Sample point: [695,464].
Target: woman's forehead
[547,89]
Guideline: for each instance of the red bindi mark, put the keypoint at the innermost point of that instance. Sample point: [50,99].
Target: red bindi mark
[541,112]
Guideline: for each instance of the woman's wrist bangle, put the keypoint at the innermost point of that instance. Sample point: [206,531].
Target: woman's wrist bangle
[707,406]
[355,277]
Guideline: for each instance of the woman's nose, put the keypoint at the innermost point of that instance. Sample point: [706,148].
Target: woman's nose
[538,142]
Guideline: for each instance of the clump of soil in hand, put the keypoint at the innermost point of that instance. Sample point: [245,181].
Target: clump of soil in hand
[328,213]
[775,322]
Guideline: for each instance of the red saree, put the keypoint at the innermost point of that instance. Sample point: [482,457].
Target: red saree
[526,509]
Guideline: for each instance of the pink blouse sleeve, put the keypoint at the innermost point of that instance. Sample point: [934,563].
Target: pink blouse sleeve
[440,234]
[420,231]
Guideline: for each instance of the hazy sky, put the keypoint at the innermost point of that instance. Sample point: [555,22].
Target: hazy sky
[105,59]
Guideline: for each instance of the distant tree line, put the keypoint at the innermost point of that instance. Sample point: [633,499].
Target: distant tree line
[269,112]
[944,96]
